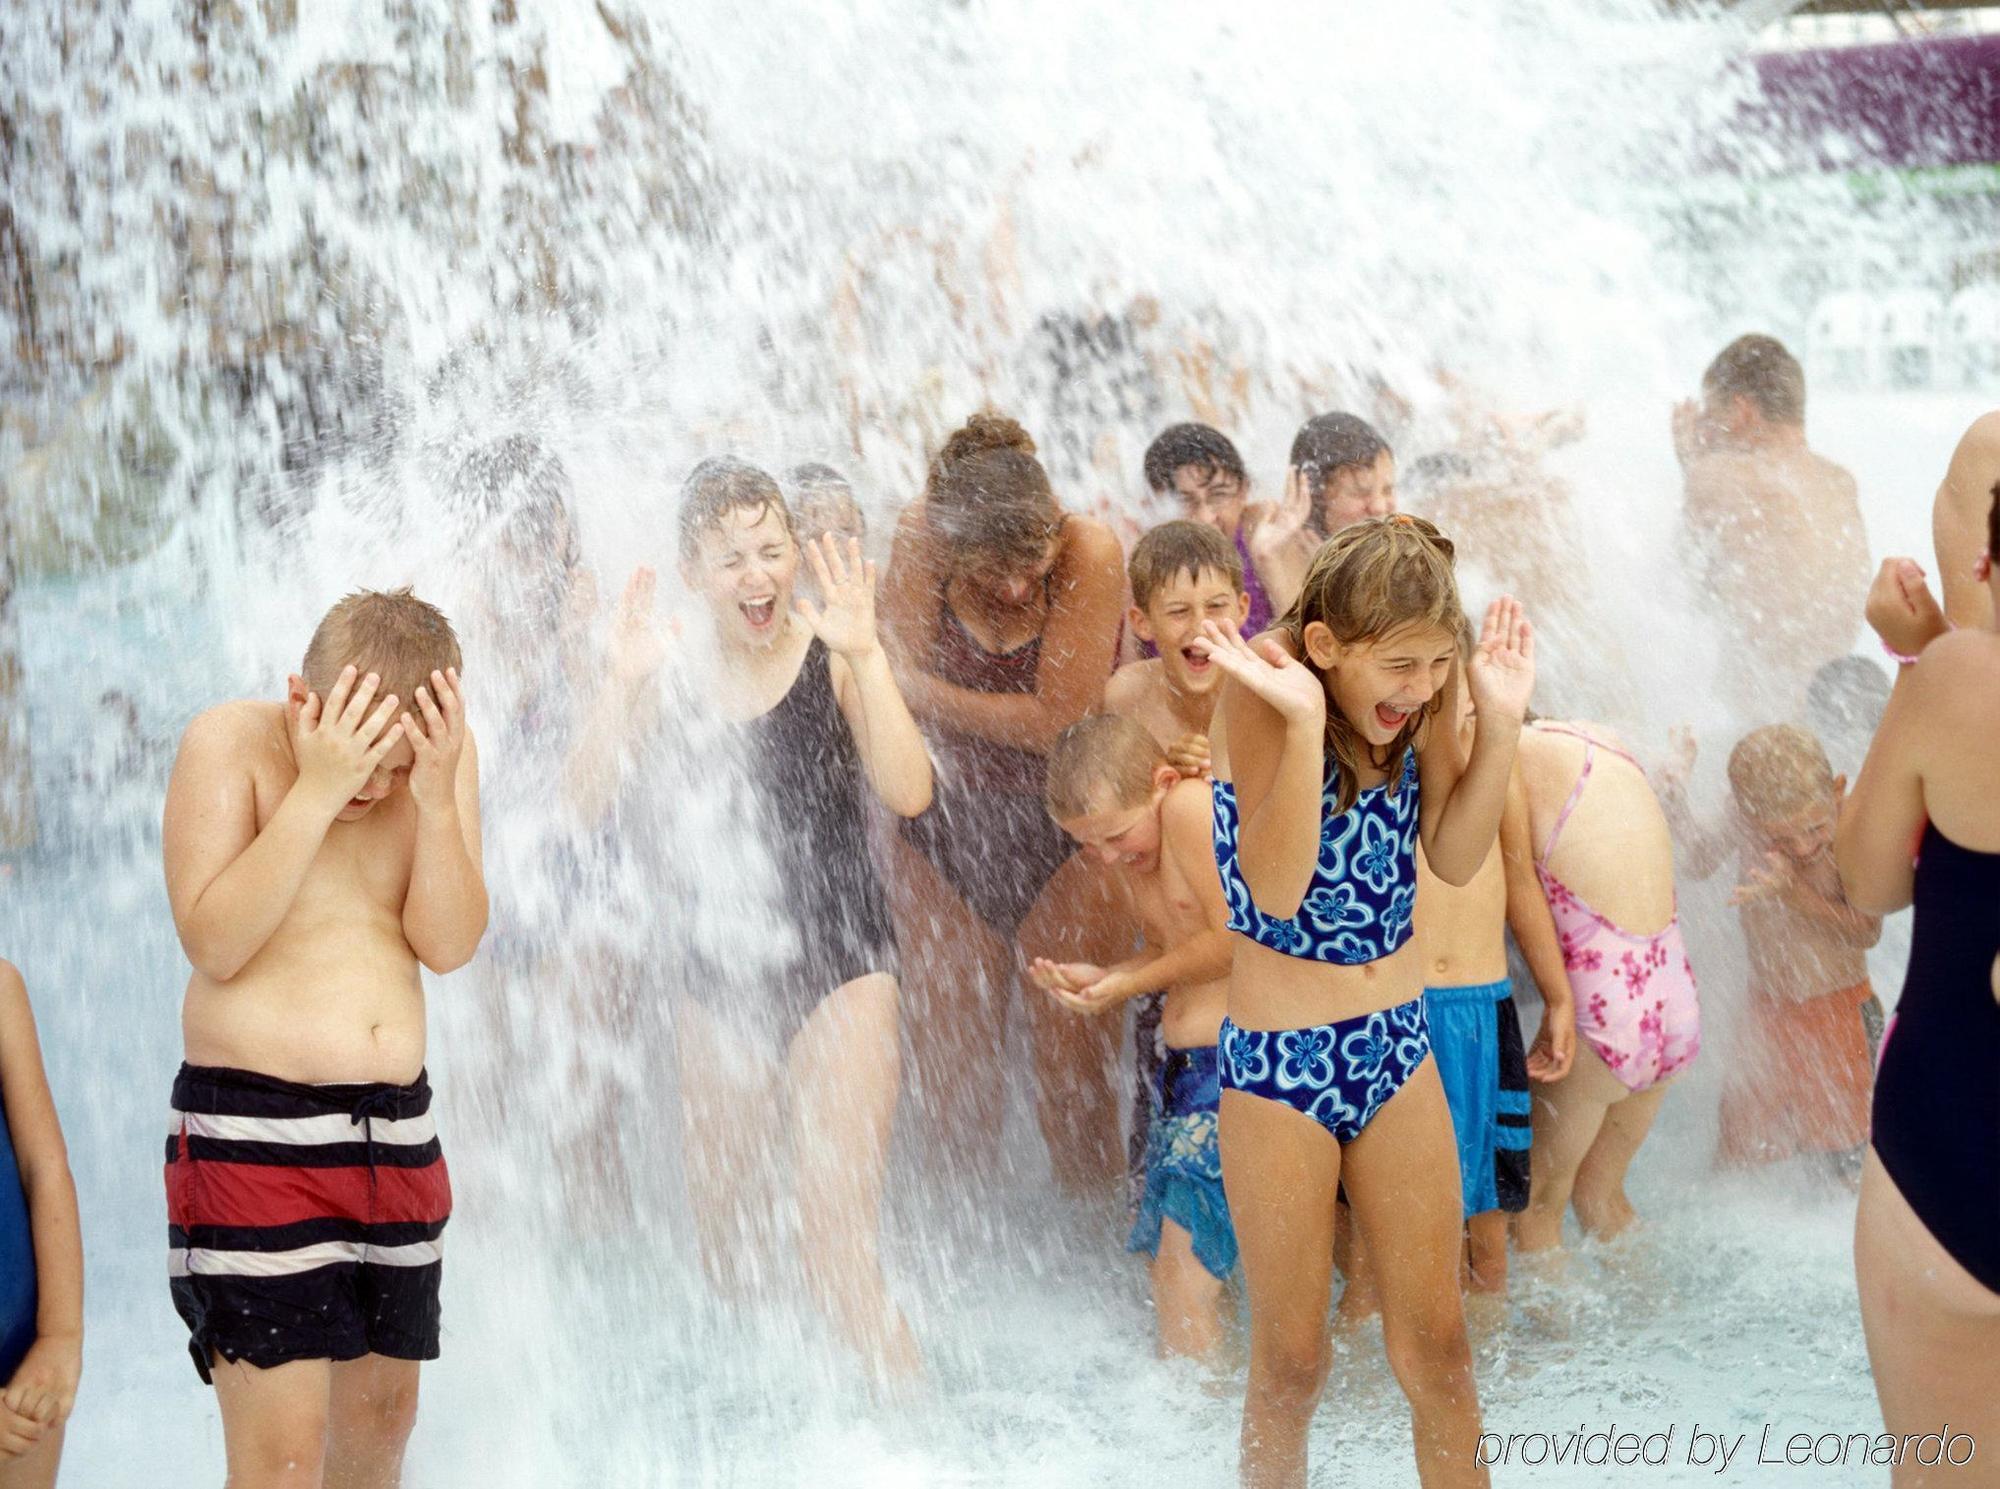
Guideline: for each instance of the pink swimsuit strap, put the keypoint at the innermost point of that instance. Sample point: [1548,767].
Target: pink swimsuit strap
[1590,748]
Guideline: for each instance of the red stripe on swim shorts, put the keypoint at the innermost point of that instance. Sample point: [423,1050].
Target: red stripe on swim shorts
[253,1194]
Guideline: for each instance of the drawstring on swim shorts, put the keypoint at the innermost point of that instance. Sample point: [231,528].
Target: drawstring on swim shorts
[378,1102]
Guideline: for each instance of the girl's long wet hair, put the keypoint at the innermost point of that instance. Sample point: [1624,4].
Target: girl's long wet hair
[1368,581]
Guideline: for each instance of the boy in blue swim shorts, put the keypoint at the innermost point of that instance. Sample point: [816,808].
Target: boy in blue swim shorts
[1110,787]
[1475,1031]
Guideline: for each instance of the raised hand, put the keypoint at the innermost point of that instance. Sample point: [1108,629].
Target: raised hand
[1901,608]
[845,617]
[1267,670]
[637,649]
[1286,520]
[1691,432]
[438,740]
[1189,755]
[1502,675]
[338,742]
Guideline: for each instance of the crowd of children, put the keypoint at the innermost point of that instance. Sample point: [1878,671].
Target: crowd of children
[1296,830]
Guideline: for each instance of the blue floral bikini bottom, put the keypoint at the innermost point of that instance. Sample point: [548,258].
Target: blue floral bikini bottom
[1338,1074]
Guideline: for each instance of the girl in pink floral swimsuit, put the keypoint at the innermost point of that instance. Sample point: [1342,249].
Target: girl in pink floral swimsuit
[1606,862]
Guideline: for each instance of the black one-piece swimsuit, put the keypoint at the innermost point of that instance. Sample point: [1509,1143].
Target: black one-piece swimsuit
[806,784]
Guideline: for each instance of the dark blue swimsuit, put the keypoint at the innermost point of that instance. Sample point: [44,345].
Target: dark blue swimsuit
[1358,908]
[17,1261]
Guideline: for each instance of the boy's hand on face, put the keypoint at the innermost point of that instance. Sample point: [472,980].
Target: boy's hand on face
[1501,678]
[1267,670]
[1767,881]
[1901,608]
[338,742]
[43,1389]
[845,617]
[1189,755]
[438,741]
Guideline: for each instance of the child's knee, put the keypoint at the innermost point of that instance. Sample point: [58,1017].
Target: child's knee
[380,1418]
[281,1452]
[1291,1371]
[1433,1361]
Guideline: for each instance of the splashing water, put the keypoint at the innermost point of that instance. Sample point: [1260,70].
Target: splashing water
[278,275]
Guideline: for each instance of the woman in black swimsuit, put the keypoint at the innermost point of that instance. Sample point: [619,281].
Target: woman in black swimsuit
[1003,613]
[788,1042]
[1927,1235]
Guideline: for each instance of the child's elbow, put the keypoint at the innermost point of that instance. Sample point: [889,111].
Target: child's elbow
[442,954]
[217,963]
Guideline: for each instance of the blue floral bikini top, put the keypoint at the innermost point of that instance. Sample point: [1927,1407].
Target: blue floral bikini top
[1363,893]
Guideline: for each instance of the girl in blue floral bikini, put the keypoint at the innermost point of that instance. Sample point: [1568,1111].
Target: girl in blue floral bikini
[1327,1075]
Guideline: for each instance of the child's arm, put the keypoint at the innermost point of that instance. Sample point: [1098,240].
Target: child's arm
[1275,713]
[892,751]
[1458,822]
[230,885]
[1701,846]
[43,1387]
[1535,932]
[444,914]
[1076,656]
[616,716]
[1186,841]
[1958,521]
[1825,906]
[1883,817]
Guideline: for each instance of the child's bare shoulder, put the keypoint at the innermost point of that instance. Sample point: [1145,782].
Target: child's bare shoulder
[240,731]
[1189,802]
[1131,685]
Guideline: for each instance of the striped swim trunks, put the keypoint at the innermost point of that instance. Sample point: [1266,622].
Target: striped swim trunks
[303,1221]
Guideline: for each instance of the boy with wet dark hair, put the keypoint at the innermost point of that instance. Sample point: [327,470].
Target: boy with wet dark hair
[1341,471]
[1200,468]
[1348,468]
[319,851]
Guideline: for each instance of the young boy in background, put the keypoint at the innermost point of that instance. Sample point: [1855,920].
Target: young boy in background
[319,850]
[1110,787]
[1802,1076]
[1200,468]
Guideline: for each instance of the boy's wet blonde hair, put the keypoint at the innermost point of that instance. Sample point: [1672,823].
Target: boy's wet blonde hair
[1779,772]
[392,633]
[1101,762]
[1368,581]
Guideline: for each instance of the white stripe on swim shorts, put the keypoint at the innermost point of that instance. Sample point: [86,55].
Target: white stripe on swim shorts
[200,1262]
[303,1131]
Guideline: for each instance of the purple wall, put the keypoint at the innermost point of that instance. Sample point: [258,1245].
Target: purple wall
[1912,103]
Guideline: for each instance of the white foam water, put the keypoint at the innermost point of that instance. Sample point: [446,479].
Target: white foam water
[287,264]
